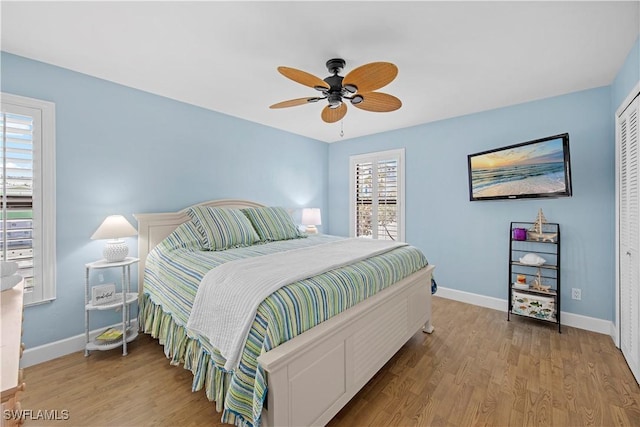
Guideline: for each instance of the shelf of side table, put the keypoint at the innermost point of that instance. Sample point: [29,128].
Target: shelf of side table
[128,333]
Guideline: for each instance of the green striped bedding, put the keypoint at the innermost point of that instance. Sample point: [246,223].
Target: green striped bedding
[174,270]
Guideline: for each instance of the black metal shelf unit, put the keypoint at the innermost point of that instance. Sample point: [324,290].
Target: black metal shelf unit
[524,299]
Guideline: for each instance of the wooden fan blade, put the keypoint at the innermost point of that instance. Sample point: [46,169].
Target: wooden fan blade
[332,115]
[379,102]
[369,77]
[293,102]
[302,77]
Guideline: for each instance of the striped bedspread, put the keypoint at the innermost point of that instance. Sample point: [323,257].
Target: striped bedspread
[175,268]
[229,295]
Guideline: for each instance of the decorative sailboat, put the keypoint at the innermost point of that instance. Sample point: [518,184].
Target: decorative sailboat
[536,233]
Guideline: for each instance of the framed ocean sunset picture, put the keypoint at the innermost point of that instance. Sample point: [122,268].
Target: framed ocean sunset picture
[538,168]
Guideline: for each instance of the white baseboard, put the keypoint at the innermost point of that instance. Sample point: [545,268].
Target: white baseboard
[46,352]
[50,351]
[569,319]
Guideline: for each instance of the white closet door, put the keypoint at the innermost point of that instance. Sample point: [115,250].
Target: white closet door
[629,235]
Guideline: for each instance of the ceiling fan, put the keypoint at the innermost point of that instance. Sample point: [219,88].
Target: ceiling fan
[357,86]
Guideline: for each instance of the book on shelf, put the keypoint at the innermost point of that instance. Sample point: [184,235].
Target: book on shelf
[110,334]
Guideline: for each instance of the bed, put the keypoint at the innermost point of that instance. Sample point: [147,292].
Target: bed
[308,377]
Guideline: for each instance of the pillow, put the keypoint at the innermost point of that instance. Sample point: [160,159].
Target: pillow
[222,228]
[273,223]
[186,235]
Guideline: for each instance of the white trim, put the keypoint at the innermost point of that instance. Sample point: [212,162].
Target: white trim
[374,157]
[616,335]
[630,97]
[568,319]
[70,345]
[44,353]
[44,219]
[635,92]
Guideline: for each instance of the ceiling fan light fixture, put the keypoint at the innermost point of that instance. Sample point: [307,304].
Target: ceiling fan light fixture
[351,88]
[357,99]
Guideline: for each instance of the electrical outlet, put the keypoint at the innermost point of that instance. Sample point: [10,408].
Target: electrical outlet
[576,293]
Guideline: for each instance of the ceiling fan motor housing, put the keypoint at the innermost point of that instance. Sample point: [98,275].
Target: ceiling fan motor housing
[334,99]
[335,83]
[334,94]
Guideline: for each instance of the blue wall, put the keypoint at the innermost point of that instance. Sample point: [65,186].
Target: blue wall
[121,150]
[468,241]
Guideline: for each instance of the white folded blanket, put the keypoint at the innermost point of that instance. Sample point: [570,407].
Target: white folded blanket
[229,295]
[8,268]
[8,282]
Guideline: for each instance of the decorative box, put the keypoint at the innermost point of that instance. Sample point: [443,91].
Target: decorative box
[537,306]
[103,294]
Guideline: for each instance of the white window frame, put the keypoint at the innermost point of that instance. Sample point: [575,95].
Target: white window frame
[375,157]
[44,219]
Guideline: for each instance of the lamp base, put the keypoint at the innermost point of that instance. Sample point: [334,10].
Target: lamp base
[311,229]
[115,250]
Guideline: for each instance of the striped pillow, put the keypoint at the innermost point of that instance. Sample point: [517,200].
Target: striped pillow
[273,223]
[186,235]
[222,228]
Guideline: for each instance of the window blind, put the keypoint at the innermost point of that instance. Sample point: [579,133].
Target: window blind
[27,193]
[16,237]
[377,196]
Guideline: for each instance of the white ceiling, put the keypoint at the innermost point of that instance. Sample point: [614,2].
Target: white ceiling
[454,58]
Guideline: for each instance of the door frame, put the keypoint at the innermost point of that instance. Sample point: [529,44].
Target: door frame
[623,106]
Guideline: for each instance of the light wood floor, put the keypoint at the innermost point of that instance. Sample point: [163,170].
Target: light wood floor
[475,369]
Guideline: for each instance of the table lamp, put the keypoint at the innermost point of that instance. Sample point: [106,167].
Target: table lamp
[310,218]
[114,228]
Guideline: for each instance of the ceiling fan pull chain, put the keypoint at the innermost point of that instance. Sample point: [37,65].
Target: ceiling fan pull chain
[341,129]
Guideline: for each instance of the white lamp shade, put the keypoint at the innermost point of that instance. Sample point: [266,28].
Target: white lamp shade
[114,227]
[311,216]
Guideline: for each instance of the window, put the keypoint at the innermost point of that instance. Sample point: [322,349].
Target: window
[27,216]
[377,195]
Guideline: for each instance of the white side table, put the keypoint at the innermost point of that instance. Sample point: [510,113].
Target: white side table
[122,300]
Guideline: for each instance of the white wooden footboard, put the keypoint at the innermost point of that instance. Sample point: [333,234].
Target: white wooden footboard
[311,377]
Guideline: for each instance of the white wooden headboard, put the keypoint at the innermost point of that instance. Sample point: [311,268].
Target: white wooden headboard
[154,227]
